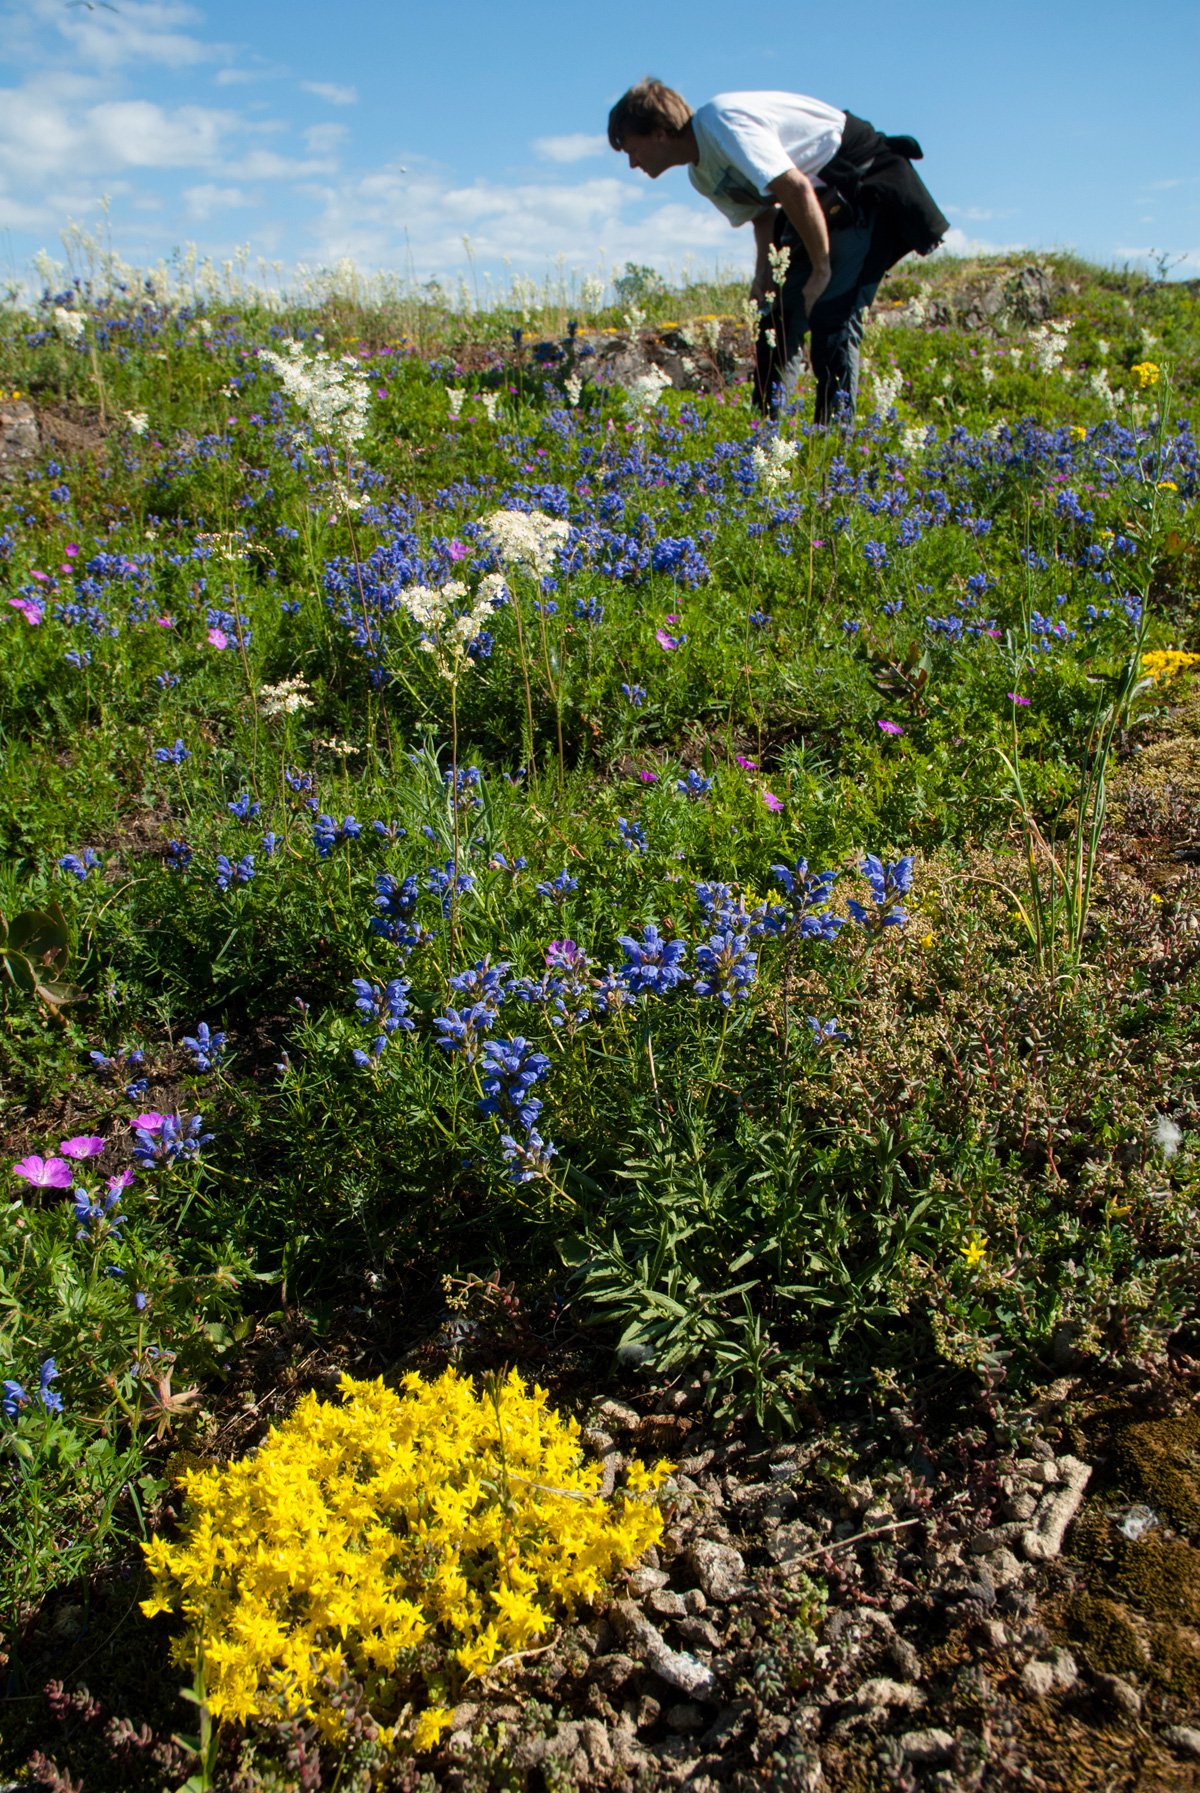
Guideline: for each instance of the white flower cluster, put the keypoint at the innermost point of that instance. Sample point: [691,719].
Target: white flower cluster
[285,698]
[649,387]
[69,324]
[528,539]
[773,464]
[573,387]
[138,421]
[888,388]
[332,394]
[1049,344]
[591,293]
[455,396]
[450,618]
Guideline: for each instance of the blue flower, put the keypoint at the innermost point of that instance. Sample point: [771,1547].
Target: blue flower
[13,1399]
[239,872]
[466,783]
[179,855]
[558,888]
[807,894]
[483,983]
[888,883]
[589,610]
[632,836]
[652,965]
[271,843]
[51,1400]
[173,756]
[509,1071]
[385,1007]
[826,1033]
[529,1157]
[244,807]
[206,1047]
[694,787]
[396,902]
[463,1030]
[440,880]
[79,864]
[327,834]
[165,1145]
[726,967]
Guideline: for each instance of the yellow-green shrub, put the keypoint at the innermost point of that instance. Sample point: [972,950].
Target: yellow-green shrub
[407,1536]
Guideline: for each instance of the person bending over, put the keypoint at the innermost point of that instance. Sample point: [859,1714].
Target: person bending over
[842,199]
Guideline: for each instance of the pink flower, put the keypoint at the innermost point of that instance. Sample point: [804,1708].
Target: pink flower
[1014,697]
[818,544]
[44,1173]
[150,1122]
[771,800]
[668,642]
[745,764]
[165,622]
[82,1145]
[673,619]
[457,550]
[890,728]
[72,549]
[218,638]
[44,577]
[648,777]
[122,1180]
[29,610]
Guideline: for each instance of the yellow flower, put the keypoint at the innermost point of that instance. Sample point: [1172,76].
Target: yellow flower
[1145,373]
[926,940]
[430,1726]
[1154,897]
[1167,485]
[975,1250]
[1079,433]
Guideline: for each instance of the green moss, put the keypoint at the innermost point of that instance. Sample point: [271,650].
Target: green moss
[1159,1577]
[1109,1633]
[1159,1462]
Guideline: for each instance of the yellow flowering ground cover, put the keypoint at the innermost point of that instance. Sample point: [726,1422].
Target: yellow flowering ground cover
[411,1536]
[1166,663]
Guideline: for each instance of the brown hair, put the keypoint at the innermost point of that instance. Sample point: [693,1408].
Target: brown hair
[649,106]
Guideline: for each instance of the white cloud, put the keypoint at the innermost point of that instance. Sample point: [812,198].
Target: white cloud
[204,200]
[332,91]
[134,32]
[957,242]
[140,134]
[322,140]
[977,214]
[579,146]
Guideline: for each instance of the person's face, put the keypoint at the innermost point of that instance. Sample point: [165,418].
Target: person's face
[652,153]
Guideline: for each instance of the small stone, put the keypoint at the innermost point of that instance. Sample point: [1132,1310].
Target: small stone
[719,1569]
[702,1634]
[882,1691]
[665,1603]
[995,1632]
[678,1670]
[1123,1694]
[904,1658]
[648,1713]
[1066,1669]
[1038,1678]
[694,1602]
[928,1749]
[643,1581]
[1183,1738]
[686,1717]
[1004,1567]
[610,1673]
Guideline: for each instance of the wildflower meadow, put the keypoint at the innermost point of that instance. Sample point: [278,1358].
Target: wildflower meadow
[526,885]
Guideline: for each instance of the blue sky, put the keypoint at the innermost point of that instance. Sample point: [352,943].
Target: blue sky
[388,133]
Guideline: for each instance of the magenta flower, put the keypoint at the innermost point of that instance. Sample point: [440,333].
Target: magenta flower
[675,619]
[668,642]
[1015,697]
[772,801]
[457,550]
[745,764]
[82,1145]
[150,1122]
[44,1173]
[124,1179]
[29,610]
[165,622]
[72,548]
[648,777]
[218,638]
[890,728]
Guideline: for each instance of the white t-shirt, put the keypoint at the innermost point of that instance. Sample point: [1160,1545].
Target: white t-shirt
[746,140]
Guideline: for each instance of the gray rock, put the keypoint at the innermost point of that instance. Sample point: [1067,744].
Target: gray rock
[882,1691]
[1038,1679]
[612,1673]
[694,1602]
[675,1667]
[928,1749]
[719,1569]
[1185,1739]
[18,432]
[700,1632]
[904,1659]
[686,1717]
[645,1581]
[1123,1694]
[665,1603]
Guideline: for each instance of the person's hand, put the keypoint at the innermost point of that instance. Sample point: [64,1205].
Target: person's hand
[760,286]
[814,286]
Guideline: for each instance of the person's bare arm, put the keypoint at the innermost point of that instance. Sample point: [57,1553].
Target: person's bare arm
[764,230]
[798,197]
